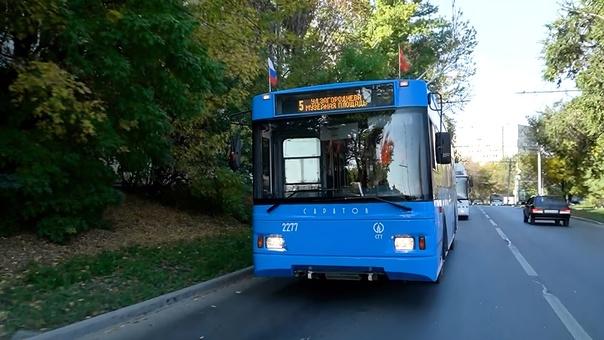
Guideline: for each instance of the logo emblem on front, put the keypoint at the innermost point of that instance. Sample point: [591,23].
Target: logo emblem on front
[378,228]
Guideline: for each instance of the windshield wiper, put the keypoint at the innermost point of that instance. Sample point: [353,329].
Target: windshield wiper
[398,205]
[275,205]
[292,194]
[381,199]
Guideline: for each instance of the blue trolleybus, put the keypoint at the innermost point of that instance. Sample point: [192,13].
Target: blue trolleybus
[352,181]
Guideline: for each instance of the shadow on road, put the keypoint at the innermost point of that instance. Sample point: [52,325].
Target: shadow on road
[397,294]
[547,224]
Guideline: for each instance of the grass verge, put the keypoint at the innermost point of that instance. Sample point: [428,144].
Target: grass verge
[46,297]
[591,213]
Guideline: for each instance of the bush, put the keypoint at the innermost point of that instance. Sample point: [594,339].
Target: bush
[224,192]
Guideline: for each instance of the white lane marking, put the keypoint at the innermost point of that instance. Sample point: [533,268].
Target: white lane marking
[493,222]
[567,319]
[571,324]
[523,262]
[503,236]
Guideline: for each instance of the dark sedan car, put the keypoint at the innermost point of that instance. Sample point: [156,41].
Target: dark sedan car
[550,208]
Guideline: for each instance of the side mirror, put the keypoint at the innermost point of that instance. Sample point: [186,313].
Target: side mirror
[235,153]
[443,148]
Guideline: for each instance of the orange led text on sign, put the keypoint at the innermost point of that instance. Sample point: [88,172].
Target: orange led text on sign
[331,103]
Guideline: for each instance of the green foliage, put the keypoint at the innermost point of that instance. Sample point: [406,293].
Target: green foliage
[51,154]
[491,178]
[89,88]
[142,59]
[362,63]
[224,192]
[574,132]
[53,97]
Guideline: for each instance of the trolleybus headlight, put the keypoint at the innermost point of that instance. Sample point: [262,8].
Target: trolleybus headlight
[275,242]
[403,243]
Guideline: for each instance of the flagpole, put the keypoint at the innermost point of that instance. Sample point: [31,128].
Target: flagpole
[269,77]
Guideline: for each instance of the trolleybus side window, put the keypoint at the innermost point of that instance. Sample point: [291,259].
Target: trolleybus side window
[266,166]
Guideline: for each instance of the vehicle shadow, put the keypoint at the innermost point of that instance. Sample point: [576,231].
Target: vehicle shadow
[396,294]
[547,224]
[358,293]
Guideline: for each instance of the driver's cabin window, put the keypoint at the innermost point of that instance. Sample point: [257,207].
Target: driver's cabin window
[302,163]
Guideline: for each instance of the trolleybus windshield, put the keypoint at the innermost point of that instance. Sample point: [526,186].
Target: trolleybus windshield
[375,154]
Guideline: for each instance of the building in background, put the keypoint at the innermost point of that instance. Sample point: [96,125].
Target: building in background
[483,144]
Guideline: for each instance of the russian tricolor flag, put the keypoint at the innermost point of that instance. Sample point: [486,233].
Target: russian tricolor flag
[272,73]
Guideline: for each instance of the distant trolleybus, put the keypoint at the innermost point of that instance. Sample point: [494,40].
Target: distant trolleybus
[352,181]
[463,184]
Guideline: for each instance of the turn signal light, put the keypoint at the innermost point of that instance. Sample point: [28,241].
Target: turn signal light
[422,242]
[565,211]
[260,241]
[537,211]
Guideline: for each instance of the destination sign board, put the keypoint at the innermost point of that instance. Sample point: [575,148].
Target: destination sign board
[373,96]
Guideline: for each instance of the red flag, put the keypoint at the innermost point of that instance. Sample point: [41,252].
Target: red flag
[386,151]
[403,63]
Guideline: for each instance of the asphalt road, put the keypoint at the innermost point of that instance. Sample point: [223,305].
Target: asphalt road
[504,280]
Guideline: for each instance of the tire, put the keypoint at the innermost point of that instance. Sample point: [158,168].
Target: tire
[532,220]
[566,222]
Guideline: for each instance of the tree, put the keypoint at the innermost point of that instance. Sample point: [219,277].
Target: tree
[91,88]
[574,131]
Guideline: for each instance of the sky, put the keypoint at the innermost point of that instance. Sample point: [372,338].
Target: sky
[508,59]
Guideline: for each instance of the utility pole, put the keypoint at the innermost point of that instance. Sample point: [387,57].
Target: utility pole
[539,184]
[509,176]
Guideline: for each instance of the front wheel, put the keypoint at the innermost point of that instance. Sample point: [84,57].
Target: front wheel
[566,222]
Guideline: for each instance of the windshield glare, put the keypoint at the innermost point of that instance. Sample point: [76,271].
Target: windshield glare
[550,200]
[383,153]
[461,184]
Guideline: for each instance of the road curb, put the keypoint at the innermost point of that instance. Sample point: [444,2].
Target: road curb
[103,321]
[587,220]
